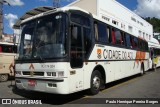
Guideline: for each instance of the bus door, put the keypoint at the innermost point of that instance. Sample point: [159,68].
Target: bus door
[76,58]
[80,45]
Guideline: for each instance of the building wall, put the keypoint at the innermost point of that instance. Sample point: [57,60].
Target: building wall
[7,38]
[116,11]
[111,10]
[17,33]
[89,5]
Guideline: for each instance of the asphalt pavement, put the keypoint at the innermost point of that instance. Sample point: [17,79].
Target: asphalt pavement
[136,90]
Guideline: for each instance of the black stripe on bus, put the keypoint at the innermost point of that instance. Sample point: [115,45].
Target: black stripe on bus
[41,79]
[116,60]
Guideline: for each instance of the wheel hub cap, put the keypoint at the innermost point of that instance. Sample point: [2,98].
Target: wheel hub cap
[96,82]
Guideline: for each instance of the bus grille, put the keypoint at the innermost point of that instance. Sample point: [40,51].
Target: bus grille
[34,73]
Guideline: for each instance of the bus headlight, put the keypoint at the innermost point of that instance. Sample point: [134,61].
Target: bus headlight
[61,74]
[18,72]
[55,74]
[50,74]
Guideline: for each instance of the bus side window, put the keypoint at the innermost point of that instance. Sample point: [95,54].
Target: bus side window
[140,45]
[118,37]
[128,41]
[0,48]
[101,32]
[9,50]
[96,31]
[135,42]
[146,47]
[109,35]
[113,37]
[87,40]
[132,42]
[76,47]
[122,38]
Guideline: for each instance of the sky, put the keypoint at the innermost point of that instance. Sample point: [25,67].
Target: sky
[144,8]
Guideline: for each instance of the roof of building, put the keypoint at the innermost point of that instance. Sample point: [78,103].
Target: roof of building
[31,13]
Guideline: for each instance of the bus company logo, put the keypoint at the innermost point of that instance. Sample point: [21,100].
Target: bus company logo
[99,53]
[140,57]
[31,67]
[6,101]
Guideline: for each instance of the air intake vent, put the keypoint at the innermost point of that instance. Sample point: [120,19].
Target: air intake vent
[33,73]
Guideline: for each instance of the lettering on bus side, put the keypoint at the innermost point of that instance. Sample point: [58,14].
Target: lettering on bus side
[47,66]
[118,55]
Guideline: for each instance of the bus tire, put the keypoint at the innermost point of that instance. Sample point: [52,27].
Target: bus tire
[95,82]
[3,77]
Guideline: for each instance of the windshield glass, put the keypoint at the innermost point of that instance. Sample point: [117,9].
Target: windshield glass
[44,37]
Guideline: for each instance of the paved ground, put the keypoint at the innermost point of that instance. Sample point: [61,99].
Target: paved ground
[147,86]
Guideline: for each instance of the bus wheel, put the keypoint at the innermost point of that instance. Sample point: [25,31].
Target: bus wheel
[3,77]
[96,80]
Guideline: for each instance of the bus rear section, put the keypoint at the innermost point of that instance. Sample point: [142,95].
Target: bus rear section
[7,56]
[154,59]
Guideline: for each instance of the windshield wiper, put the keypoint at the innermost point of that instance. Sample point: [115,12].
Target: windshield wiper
[39,57]
[25,57]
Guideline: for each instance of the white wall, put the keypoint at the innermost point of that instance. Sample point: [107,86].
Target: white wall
[116,11]
[113,10]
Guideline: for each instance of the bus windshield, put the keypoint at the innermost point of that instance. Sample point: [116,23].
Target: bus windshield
[44,38]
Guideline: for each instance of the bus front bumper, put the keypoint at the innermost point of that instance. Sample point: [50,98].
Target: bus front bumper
[47,85]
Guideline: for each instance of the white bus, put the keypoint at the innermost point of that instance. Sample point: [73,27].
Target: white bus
[154,59]
[68,50]
[8,52]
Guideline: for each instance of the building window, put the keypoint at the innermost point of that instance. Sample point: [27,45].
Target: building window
[130,28]
[140,33]
[149,37]
[143,35]
[105,18]
[114,22]
[122,26]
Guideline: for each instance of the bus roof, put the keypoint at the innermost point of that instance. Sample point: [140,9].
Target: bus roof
[63,9]
[153,43]
[7,43]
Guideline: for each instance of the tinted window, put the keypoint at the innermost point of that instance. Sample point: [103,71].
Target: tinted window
[140,45]
[113,38]
[101,32]
[8,48]
[128,40]
[76,47]
[135,41]
[118,37]
[146,46]
[87,40]
[77,18]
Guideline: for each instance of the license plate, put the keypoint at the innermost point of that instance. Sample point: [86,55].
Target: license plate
[32,82]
